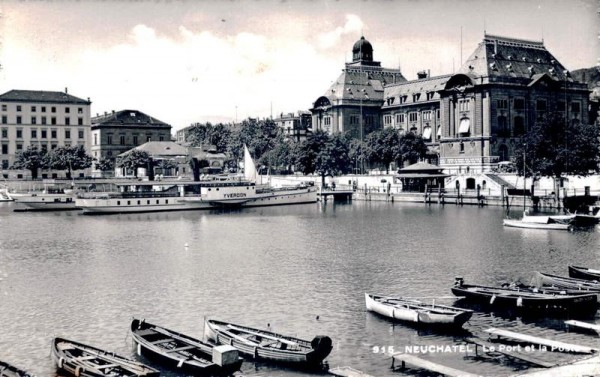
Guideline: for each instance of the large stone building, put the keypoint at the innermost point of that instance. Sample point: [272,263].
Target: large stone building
[470,120]
[295,126]
[43,118]
[352,104]
[117,132]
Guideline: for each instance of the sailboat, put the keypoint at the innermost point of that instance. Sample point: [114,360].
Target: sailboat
[247,192]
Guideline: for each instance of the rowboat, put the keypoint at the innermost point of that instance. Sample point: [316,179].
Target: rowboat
[82,360]
[266,345]
[542,279]
[528,299]
[183,352]
[584,273]
[416,311]
[8,370]
[536,225]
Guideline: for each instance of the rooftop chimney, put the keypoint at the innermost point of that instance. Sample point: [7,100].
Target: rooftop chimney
[421,75]
[66,90]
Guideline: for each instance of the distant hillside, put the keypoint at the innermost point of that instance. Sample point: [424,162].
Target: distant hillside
[590,76]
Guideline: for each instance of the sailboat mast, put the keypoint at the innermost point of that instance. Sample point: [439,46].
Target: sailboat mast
[524,185]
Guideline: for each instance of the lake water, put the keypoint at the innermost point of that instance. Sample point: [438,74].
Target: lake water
[86,277]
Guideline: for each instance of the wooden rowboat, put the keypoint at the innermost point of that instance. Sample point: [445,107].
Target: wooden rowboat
[536,225]
[584,273]
[183,352]
[266,345]
[528,300]
[571,284]
[82,360]
[416,311]
[8,370]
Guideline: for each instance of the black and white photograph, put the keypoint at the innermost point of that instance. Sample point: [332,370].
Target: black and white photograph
[279,188]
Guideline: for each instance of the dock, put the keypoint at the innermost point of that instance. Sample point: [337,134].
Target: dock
[405,358]
[552,345]
[590,366]
[347,372]
[494,347]
[340,194]
[584,325]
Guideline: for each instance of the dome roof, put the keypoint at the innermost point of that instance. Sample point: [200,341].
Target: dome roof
[362,45]
[362,51]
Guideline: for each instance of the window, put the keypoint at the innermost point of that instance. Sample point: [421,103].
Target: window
[53,146]
[464,104]
[18,107]
[426,115]
[44,134]
[80,110]
[109,139]
[5,165]
[33,109]
[122,139]
[67,121]
[5,132]
[33,120]
[19,133]
[437,114]
[575,107]
[519,104]
[427,133]
[34,134]
[53,133]
[326,121]
[503,104]
[464,127]
[560,106]
[44,120]
[540,105]
[148,138]
[80,121]
[430,96]
[387,120]
[19,119]
[80,134]
[53,109]
[53,120]
[369,121]
[353,119]
[503,130]
[519,127]
[4,148]
[403,99]
[4,119]
[400,118]
[19,147]
[44,148]
[43,109]
[67,134]
[413,116]
[67,110]
[4,107]
[95,139]
[416,97]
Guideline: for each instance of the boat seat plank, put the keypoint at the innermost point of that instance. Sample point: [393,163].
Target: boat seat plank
[85,358]
[553,344]
[162,341]
[584,325]
[183,348]
[263,335]
[429,365]
[105,366]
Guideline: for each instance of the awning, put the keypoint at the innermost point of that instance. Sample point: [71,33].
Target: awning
[427,133]
[465,124]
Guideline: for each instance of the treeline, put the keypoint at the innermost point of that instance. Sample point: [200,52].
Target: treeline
[319,153]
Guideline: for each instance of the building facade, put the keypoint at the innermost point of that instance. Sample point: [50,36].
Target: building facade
[470,120]
[295,126]
[43,118]
[117,132]
[352,104]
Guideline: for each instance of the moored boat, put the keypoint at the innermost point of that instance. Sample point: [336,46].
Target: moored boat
[528,300]
[542,279]
[536,225]
[267,345]
[46,200]
[82,360]
[584,273]
[417,312]
[182,352]
[8,370]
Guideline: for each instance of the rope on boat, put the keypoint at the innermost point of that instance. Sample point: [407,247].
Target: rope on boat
[429,297]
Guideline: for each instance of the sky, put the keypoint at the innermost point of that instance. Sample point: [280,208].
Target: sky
[221,61]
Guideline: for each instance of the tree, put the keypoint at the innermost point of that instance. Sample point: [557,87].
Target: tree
[31,159]
[383,147]
[323,154]
[69,158]
[356,153]
[207,134]
[105,164]
[553,148]
[259,136]
[412,148]
[135,159]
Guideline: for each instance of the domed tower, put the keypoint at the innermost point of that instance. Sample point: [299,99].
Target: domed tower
[362,51]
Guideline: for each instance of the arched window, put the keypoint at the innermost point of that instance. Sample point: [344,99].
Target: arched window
[519,127]
[503,130]
[464,128]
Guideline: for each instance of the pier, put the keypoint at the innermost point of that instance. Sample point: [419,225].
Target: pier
[405,358]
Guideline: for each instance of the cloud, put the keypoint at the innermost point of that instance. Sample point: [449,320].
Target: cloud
[353,24]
